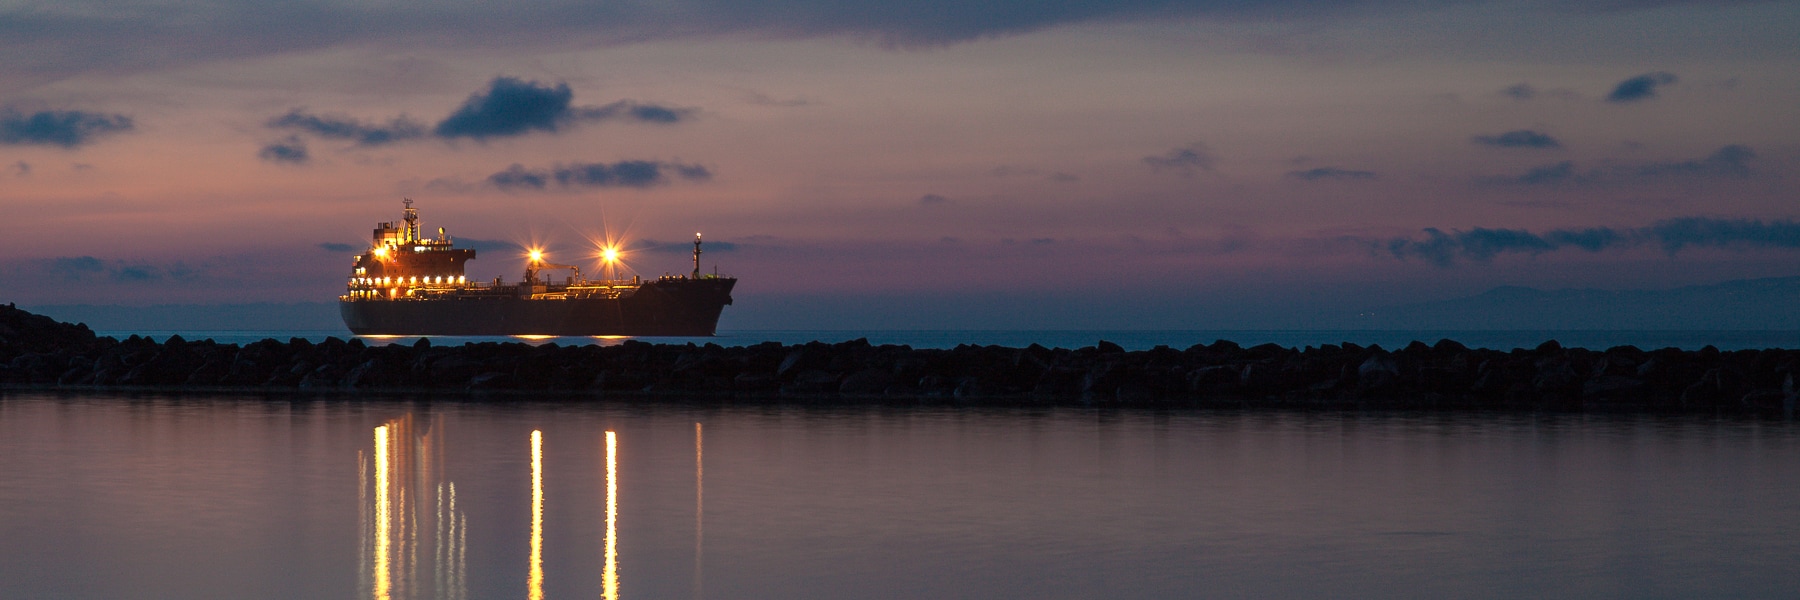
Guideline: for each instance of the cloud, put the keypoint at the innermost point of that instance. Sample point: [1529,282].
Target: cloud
[77,264]
[1545,174]
[90,269]
[291,150]
[517,176]
[66,128]
[1185,159]
[337,247]
[1330,173]
[1483,244]
[686,247]
[1522,91]
[57,39]
[511,107]
[1642,87]
[933,199]
[1730,161]
[625,173]
[21,168]
[1522,138]
[1675,234]
[633,111]
[345,128]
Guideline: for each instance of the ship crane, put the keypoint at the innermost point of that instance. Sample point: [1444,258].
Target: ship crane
[537,263]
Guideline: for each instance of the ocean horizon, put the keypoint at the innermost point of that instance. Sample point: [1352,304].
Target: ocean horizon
[1726,340]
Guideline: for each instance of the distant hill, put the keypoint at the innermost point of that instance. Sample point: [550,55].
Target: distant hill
[298,316]
[1751,304]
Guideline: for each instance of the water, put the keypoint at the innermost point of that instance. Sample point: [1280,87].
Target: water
[1129,339]
[240,497]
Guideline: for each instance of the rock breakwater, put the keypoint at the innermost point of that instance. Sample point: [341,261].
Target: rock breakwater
[38,352]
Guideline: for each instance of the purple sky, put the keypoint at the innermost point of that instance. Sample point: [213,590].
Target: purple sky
[1143,157]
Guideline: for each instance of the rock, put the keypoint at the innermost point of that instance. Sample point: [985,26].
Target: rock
[491,380]
[1612,386]
[866,381]
[1378,372]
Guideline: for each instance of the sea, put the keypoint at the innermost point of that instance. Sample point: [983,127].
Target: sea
[282,497]
[1128,339]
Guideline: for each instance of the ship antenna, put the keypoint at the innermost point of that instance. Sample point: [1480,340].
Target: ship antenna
[696,255]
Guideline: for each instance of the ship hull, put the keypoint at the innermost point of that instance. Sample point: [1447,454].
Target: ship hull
[679,307]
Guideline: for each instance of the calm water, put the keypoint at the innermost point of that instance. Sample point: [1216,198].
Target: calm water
[169,497]
[1130,339]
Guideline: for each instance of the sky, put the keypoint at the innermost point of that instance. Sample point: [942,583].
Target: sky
[909,163]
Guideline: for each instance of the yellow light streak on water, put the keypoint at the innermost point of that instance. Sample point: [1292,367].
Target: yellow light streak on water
[383,515]
[535,582]
[699,505]
[609,579]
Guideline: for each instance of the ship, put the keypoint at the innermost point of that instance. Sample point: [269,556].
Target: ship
[407,284]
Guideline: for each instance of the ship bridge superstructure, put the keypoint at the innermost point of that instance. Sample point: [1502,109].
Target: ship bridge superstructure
[400,261]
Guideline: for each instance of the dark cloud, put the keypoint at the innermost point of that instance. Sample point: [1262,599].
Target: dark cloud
[686,247]
[1642,87]
[1551,173]
[291,150]
[1671,235]
[56,39]
[21,168]
[1330,173]
[512,106]
[345,128]
[633,111]
[933,199]
[337,247]
[1675,234]
[509,107]
[88,268]
[1185,159]
[1521,138]
[77,264]
[517,176]
[66,128]
[1730,161]
[137,273]
[625,173]
[1522,91]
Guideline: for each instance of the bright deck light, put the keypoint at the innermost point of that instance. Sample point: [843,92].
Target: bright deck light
[609,254]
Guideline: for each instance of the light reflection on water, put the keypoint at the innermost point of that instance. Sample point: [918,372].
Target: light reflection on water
[228,498]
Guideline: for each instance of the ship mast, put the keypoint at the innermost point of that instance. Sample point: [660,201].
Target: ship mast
[696,255]
[412,222]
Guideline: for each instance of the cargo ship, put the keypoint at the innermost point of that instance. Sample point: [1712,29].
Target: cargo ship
[408,284]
